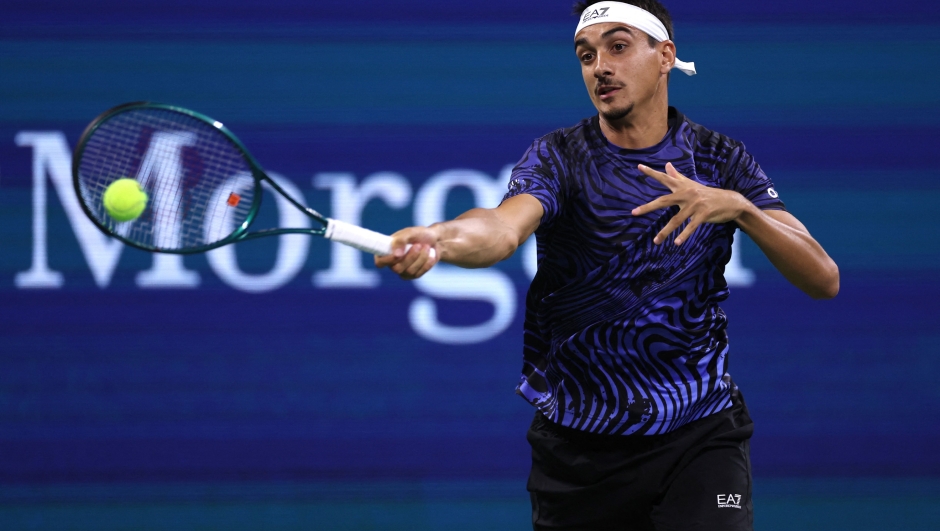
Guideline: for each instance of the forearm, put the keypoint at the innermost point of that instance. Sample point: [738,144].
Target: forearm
[477,238]
[793,252]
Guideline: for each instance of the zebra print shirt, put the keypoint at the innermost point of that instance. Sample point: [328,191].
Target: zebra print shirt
[623,336]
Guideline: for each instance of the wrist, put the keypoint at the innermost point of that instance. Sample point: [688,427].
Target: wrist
[438,232]
[748,212]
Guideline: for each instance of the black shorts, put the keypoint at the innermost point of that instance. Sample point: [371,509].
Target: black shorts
[697,477]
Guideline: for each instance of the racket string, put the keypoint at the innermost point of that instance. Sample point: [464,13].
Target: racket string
[185,165]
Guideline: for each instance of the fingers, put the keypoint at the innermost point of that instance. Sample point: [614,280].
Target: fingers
[665,201]
[672,179]
[658,175]
[389,259]
[687,232]
[409,246]
[419,259]
[399,249]
[413,253]
[673,172]
[670,227]
[385,261]
[682,196]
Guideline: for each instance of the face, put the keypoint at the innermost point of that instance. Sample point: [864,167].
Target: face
[621,70]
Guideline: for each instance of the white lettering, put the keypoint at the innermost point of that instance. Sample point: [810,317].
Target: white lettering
[347,203]
[292,248]
[450,282]
[52,162]
[729,501]
[163,163]
[51,155]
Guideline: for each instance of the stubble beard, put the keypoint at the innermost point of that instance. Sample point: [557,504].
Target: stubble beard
[614,115]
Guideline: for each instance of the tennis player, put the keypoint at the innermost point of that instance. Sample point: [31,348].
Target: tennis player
[638,424]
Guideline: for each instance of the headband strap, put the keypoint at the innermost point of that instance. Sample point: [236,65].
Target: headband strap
[633,16]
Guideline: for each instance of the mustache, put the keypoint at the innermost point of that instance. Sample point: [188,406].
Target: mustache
[607,82]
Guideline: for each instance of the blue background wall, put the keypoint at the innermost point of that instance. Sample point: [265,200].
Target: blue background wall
[322,406]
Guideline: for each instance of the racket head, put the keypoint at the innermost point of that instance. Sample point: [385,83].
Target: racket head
[203,187]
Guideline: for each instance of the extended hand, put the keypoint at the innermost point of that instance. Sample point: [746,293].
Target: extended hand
[696,202]
[418,259]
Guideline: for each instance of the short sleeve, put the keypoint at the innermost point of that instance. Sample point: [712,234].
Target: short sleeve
[748,179]
[540,174]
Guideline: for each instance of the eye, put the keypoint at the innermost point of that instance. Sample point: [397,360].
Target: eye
[587,58]
[619,47]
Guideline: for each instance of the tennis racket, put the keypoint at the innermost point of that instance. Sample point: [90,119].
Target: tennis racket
[204,187]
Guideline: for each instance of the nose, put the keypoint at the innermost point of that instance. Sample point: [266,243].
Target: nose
[602,67]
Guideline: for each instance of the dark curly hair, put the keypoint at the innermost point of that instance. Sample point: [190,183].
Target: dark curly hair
[653,6]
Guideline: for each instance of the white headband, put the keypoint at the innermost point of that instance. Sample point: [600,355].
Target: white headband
[630,15]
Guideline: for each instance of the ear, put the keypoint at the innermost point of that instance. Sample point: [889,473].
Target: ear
[667,57]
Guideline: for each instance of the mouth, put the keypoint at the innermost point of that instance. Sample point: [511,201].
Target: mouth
[606,92]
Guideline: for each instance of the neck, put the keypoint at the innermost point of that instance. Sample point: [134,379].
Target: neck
[644,127]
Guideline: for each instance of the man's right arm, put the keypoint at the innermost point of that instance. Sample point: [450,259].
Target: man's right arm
[477,238]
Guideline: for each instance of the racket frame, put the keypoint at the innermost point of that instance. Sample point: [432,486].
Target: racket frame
[241,232]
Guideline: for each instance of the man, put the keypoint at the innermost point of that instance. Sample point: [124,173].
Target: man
[638,425]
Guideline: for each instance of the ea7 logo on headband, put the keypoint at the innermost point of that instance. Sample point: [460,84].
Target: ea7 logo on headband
[597,13]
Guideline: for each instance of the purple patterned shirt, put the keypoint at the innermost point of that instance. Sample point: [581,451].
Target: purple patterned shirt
[623,336]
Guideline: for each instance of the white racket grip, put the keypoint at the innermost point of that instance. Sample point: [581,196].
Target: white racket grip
[360,238]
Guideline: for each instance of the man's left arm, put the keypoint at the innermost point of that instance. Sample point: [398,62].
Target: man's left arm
[785,241]
[791,249]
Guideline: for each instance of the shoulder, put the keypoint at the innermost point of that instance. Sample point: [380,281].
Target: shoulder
[714,152]
[707,142]
[569,140]
[556,152]
[545,170]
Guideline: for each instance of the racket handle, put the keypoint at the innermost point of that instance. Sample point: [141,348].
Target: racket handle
[360,238]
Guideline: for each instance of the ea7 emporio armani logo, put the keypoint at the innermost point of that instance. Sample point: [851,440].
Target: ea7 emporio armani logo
[729,501]
[597,13]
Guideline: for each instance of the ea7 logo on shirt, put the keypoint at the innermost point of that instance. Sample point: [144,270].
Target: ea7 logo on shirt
[597,13]
[729,501]
[772,193]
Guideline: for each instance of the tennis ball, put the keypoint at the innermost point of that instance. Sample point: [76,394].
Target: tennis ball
[124,199]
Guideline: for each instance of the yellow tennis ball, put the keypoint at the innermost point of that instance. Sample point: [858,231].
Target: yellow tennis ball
[124,199]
